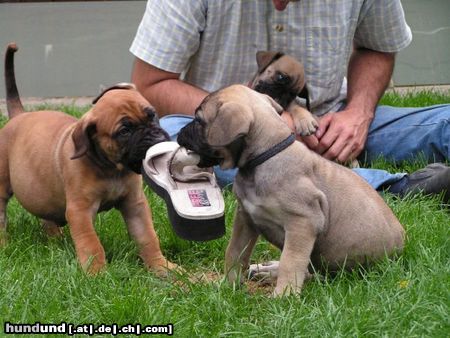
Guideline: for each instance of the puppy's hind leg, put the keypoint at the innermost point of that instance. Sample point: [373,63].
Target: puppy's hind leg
[5,195]
[51,228]
[266,272]
[3,235]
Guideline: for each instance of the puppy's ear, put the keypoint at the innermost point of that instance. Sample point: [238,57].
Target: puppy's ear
[232,121]
[121,85]
[82,136]
[264,59]
[279,109]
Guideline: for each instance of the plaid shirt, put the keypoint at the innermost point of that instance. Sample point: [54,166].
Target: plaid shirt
[213,43]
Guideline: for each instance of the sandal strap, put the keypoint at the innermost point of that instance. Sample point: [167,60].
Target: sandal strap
[177,171]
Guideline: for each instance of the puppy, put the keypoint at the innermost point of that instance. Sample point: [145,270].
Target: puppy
[312,209]
[283,78]
[65,170]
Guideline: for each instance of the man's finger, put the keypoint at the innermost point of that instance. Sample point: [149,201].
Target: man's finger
[310,141]
[345,155]
[335,150]
[324,123]
[327,141]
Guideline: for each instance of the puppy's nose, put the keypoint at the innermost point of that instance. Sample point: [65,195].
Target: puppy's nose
[164,136]
[182,138]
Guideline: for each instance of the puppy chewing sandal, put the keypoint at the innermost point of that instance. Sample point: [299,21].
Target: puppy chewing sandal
[194,200]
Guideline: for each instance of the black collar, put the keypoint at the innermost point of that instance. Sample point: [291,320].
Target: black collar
[261,158]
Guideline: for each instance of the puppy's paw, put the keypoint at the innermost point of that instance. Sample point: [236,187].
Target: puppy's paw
[305,126]
[166,268]
[285,290]
[265,273]
[234,276]
[94,265]
[92,258]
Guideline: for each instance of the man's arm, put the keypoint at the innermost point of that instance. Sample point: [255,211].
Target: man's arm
[164,90]
[342,136]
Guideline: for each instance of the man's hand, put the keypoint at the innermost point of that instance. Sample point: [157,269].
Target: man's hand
[341,136]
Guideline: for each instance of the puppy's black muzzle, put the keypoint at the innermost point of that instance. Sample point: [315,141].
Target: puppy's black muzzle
[282,92]
[192,137]
[142,138]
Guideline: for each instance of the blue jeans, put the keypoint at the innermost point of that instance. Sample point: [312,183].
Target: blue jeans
[395,133]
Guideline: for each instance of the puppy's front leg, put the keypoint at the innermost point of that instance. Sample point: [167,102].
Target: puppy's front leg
[80,215]
[241,245]
[294,261]
[305,122]
[137,216]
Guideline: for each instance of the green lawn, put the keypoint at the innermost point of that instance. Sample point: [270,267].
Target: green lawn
[40,280]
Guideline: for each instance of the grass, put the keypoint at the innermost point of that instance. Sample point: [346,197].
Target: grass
[40,280]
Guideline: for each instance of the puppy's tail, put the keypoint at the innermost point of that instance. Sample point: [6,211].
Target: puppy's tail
[13,103]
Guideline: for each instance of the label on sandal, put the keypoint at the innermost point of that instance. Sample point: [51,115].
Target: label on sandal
[199,198]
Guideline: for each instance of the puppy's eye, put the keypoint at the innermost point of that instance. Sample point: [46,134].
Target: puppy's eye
[283,78]
[199,121]
[124,131]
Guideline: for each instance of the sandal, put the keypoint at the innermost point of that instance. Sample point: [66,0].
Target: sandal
[194,200]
